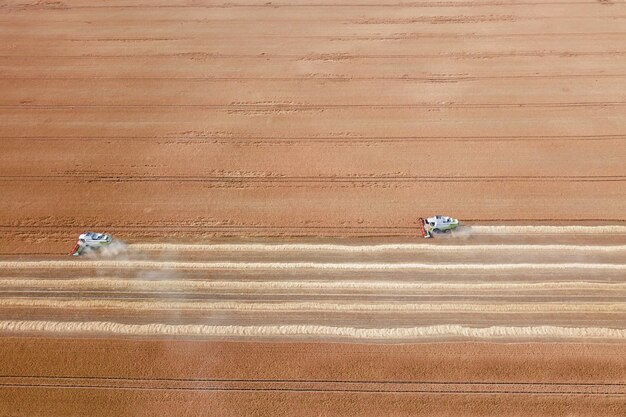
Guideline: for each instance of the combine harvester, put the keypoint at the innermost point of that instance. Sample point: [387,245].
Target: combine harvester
[91,241]
[437,224]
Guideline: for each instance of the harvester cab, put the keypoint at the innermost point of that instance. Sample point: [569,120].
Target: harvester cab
[437,224]
[91,241]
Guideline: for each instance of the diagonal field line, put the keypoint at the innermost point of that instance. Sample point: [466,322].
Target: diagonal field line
[397,333]
[404,247]
[347,266]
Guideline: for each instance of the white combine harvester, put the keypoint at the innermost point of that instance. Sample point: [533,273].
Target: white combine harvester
[91,241]
[437,224]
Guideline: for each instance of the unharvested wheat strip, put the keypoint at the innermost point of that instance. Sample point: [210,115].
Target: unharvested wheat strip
[307,306]
[607,229]
[397,333]
[116,284]
[347,266]
[405,247]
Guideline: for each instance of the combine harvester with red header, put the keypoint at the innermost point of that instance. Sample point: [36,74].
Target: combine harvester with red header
[91,241]
[437,224]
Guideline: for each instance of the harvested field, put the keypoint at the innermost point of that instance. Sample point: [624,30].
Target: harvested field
[160,295]
[266,164]
[480,287]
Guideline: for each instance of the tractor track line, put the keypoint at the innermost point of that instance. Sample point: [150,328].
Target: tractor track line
[329,139]
[314,381]
[242,296]
[494,391]
[347,266]
[300,107]
[103,283]
[339,37]
[297,301]
[156,304]
[306,180]
[399,247]
[409,230]
[425,78]
[430,19]
[339,57]
[453,4]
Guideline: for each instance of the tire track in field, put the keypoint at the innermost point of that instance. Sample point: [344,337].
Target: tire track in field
[314,77]
[321,107]
[368,231]
[304,385]
[343,266]
[436,4]
[388,247]
[269,181]
[256,140]
[341,56]
[228,230]
[345,37]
